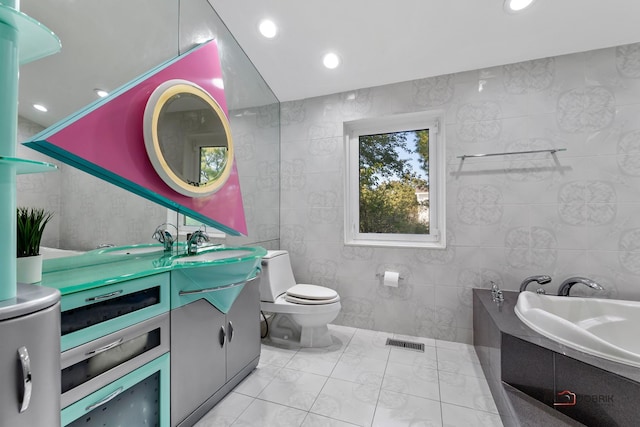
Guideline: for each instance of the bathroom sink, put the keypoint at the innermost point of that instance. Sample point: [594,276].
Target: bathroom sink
[132,250]
[98,258]
[216,274]
[216,255]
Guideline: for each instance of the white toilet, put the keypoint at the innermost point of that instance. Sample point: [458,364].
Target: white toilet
[301,312]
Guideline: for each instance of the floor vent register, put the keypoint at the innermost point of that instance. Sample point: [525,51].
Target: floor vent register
[409,345]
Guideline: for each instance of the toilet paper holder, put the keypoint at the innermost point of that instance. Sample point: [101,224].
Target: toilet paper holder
[381,276]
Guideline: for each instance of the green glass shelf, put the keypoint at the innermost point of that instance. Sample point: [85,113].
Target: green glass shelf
[27,166]
[35,41]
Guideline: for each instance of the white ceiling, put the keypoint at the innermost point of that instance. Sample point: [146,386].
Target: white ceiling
[380,42]
[383,41]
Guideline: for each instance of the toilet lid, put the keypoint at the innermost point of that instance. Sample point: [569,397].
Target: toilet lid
[304,301]
[312,292]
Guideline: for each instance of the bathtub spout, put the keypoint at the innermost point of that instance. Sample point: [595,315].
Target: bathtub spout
[565,287]
[540,279]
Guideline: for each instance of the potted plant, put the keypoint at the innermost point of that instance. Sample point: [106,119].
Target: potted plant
[30,226]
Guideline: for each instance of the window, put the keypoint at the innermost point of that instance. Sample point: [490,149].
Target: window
[395,181]
[188,225]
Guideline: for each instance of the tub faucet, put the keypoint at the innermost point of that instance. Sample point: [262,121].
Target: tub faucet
[542,279]
[496,293]
[198,236]
[565,287]
[163,236]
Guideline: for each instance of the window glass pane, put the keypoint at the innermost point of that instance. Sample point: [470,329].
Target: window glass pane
[212,163]
[394,182]
[192,222]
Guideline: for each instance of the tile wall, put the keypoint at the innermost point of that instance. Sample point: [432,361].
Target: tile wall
[89,211]
[256,138]
[38,190]
[507,217]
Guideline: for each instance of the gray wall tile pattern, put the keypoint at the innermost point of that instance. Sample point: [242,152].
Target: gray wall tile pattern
[507,217]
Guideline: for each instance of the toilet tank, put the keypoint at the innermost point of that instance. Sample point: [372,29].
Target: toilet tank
[277,275]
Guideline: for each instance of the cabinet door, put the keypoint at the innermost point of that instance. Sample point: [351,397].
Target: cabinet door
[30,385]
[198,332]
[243,324]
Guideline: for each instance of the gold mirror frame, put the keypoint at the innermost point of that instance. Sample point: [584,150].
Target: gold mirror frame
[160,96]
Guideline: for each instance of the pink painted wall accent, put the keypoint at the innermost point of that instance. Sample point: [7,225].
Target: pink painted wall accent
[111,137]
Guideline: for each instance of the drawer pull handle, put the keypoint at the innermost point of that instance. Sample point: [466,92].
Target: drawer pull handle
[105,296]
[230,331]
[108,398]
[105,348]
[25,363]
[221,336]
[217,288]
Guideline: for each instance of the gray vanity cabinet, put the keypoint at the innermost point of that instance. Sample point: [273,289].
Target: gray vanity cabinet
[198,357]
[211,352]
[30,358]
[243,330]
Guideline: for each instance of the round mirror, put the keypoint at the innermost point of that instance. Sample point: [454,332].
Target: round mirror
[187,138]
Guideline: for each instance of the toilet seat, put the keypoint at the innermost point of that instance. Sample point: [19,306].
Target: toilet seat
[281,305]
[311,295]
[304,301]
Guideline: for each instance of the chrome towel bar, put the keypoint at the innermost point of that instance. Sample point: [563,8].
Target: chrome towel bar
[509,153]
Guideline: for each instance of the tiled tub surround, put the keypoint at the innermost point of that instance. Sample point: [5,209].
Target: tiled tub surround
[514,355]
[507,217]
[358,381]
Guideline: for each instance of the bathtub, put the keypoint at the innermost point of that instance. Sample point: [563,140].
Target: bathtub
[601,327]
[51,253]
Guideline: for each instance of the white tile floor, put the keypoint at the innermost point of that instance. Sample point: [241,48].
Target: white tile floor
[361,381]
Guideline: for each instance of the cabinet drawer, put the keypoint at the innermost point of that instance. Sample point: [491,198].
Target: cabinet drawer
[140,398]
[91,366]
[97,312]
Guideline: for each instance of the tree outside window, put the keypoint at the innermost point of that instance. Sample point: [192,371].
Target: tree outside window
[394,182]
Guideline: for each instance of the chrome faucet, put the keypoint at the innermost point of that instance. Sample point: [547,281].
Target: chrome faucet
[565,287]
[542,279]
[163,236]
[496,293]
[197,237]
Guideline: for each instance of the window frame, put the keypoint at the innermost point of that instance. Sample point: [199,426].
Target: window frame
[185,230]
[431,120]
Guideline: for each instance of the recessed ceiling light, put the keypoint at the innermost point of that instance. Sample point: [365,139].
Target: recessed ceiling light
[331,60]
[517,5]
[268,28]
[40,107]
[101,93]
[217,82]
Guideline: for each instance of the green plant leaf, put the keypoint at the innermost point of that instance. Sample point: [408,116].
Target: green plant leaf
[30,227]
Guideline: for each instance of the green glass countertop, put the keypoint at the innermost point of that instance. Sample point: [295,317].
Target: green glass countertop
[102,267]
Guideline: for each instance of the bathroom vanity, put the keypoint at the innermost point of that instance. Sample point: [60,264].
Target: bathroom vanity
[211,352]
[150,338]
[115,338]
[29,368]
[537,381]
